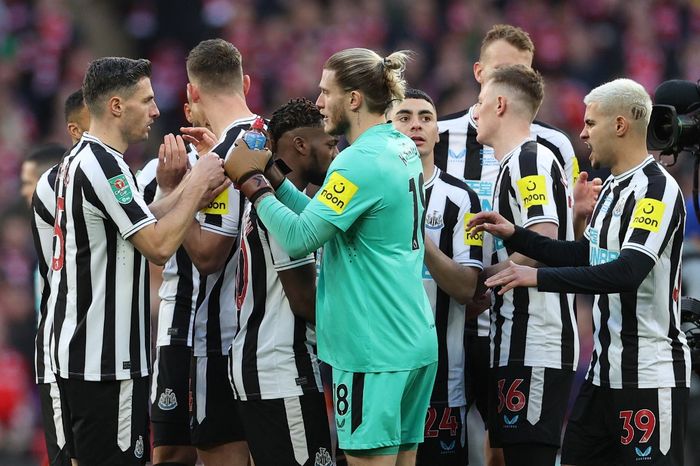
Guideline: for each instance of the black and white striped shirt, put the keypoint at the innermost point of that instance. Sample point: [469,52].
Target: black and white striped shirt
[215,319]
[99,283]
[529,327]
[273,353]
[179,290]
[638,342]
[450,203]
[459,154]
[43,209]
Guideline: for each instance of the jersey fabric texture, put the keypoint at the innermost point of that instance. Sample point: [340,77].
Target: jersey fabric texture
[101,300]
[450,203]
[372,311]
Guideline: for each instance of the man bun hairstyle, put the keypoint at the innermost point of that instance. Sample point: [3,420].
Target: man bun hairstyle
[380,80]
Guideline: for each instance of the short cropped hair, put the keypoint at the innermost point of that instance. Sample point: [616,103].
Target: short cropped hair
[513,35]
[297,113]
[526,83]
[45,156]
[622,97]
[112,75]
[412,93]
[216,65]
[74,103]
[380,80]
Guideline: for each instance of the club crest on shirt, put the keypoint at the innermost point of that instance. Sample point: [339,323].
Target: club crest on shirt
[533,191]
[337,192]
[323,458]
[138,448]
[648,214]
[167,400]
[434,221]
[121,189]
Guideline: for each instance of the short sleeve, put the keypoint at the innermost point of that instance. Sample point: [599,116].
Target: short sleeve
[223,214]
[467,247]
[658,213]
[534,190]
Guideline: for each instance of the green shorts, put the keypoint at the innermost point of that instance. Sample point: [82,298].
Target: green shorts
[382,411]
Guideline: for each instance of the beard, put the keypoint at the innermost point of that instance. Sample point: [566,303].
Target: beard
[316,174]
[339,122]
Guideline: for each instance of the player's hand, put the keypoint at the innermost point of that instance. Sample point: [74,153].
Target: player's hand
[203,139]
[586,195]
[212,194]
[478,305]
[172,162]
[243,161]
[513,276]
[493,223]
[208,173]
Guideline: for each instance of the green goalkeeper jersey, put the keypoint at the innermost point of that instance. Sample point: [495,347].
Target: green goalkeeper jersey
[372,311]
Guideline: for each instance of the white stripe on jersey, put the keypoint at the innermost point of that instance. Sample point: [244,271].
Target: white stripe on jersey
[273,352]
[450,202]
[180,288]
[43,211]
[458,133]
[100,281]
[638,342]
[215,320]
[529,327]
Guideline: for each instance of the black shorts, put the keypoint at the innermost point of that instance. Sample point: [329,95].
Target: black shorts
[170,394]
[109,420]
[214,417]
[476,371]
[527,405]
[288,431]
[57,432]
[626,426]
[445,437]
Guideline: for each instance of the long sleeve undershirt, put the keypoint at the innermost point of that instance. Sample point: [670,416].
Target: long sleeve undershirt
[299,234]
[571,272]
[289,195]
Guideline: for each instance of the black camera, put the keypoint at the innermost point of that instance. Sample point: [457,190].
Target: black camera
[675,118]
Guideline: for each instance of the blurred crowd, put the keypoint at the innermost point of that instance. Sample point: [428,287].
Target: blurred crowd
[45,46]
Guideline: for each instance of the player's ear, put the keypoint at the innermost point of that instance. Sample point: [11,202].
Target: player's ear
[501,104]
[621,125]
[355,100]
[115,106]
[193,92]
[300,145]
[73,130]
[478,70]
[246,84]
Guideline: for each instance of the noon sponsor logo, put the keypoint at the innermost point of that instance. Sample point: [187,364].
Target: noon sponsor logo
[337,192]
[533,191]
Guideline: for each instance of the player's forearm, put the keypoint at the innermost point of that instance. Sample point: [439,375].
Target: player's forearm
[160,207]
[300,234]
[457,280]
[290,196]
[622,275]
[553,253]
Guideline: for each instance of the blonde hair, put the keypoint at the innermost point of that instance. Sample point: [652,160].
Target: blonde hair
[623,97]
[380,80]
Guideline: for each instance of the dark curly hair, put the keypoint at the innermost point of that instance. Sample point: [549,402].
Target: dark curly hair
[297,113]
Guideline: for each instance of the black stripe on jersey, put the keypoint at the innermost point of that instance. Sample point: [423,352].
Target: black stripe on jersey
[108,364]
[553,147]
[528,167]
[44,272]
[221,149]
[629,337]
[655,190]
[473,162]
[135,337]
[214,309]
[442,303]
[357,395]
[258,283]
[83,278]
[42,211]
[183,297]
[441,150]
[673,333]
[110,168]
[149,191]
